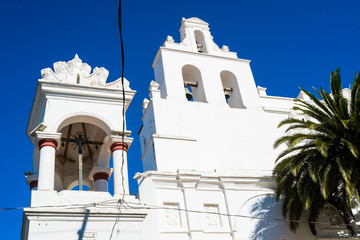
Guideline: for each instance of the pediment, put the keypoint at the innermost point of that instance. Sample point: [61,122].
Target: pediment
[196,21]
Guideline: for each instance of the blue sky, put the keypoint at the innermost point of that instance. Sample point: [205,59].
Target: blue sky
[290,43]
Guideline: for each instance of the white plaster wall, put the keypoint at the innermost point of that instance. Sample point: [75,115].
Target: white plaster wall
[45,228]
[203,136]
[72,212]
[59,109]
[240,198]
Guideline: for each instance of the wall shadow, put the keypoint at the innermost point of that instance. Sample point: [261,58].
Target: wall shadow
[83,227]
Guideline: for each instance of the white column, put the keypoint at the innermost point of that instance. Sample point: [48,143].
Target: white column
[47,164]
[100,175]
[119,156]
[101,181]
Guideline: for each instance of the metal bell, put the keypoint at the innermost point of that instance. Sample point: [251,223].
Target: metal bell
[199,47]
[188,94]
[227,94]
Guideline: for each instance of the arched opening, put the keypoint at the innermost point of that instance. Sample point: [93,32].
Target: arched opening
[231,89]
[200,42]
[84,188]
[193,84]
[80,150]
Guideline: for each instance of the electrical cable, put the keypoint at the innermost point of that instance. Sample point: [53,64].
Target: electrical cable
[117,219]
[139,205]
[149,206]
[120,201]
[123,100]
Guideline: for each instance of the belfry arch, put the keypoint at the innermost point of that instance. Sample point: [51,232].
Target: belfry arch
[231,89]
[67,155]
[192,79]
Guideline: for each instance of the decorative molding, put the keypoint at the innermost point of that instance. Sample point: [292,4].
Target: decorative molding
[75,72]
[47,142]
[101,175]
[118,139]
[102,170]
[170,39]
[119,146]
[56,137]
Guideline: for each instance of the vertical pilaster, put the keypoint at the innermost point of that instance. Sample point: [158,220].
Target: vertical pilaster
[189,182]
[228,186]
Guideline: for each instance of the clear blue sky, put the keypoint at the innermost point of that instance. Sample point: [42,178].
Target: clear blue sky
[290,43]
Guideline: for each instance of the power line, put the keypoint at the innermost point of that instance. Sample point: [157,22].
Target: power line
[120,201]
[138,205]
[149,206]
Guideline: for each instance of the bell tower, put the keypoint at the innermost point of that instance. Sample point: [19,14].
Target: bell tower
[199,90]
[207,143]
[76,127]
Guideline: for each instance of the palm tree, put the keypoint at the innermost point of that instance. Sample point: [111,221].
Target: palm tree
[320,164]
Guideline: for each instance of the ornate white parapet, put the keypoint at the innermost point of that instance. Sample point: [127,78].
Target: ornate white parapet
[76,72]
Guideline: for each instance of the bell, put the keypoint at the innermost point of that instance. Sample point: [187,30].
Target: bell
[227,94]
[199,47]
[188,94]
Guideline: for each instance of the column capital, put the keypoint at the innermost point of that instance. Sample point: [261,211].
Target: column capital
[99,173]
[32,180]
[119,146]
[47,142]
[41,137]
[114,139]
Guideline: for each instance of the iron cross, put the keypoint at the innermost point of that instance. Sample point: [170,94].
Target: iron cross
[80,142]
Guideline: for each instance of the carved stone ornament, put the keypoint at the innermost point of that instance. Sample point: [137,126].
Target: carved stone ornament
[75,72]
[170,39]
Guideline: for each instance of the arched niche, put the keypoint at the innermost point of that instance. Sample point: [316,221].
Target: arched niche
[85,118]
[75,184]
[200,41]
[231,88]
[193,80]
[93,152]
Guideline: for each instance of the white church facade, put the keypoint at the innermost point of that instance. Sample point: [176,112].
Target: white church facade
[206,142]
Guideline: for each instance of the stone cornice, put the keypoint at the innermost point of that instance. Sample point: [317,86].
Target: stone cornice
[88,91]
[232,179]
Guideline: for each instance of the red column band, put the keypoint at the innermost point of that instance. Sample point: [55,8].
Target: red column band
[47,142]
[101,175]
[33,184]
[119,146]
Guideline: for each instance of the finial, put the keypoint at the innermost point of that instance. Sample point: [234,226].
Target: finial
[76,58]
[170,39]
